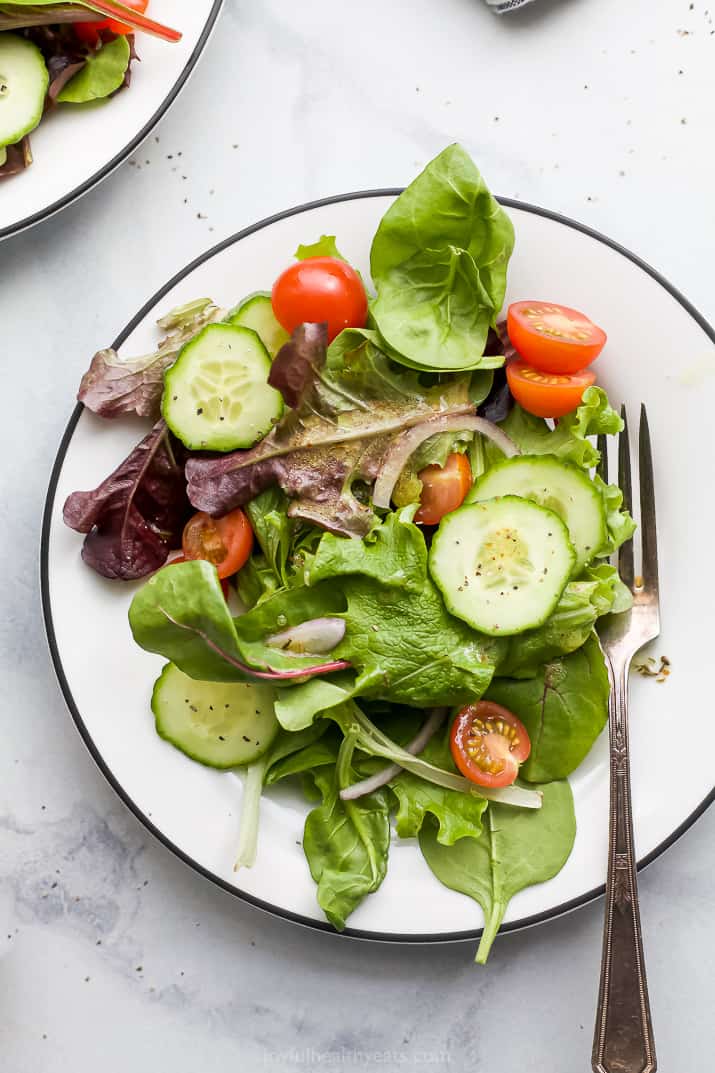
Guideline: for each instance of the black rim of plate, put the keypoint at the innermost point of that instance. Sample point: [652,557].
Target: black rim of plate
[128,149]
[297,918]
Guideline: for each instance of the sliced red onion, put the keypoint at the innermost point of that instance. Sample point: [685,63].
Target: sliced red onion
[315,637]
[408,441]
[391,771]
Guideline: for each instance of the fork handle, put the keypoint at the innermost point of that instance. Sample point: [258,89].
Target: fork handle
[623,1038]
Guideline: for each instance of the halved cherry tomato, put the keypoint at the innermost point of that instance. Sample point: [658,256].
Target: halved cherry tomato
[547,394]
[226,542]
[89,32]
[320,289]
[443,489]
[553,338]
[225,587]
[489,743]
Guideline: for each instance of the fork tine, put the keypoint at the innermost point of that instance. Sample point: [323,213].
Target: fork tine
[648,530]
[625,553]
[602,468]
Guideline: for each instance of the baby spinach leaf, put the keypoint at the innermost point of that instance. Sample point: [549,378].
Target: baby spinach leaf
[438,261]
[102,74]
[345,842]
[564,709]
[316,746]
[297,707]
[268,515]
[517,848]
[458,815]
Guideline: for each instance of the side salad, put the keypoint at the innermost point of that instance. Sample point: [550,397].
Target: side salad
[68,52]
[397,490]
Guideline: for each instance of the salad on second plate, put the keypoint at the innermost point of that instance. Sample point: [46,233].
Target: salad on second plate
[57,52]
[397,490]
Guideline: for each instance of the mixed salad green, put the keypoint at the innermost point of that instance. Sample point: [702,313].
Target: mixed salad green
[55,52]
[418,560]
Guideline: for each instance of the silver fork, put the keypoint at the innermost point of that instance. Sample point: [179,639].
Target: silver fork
[623,1038]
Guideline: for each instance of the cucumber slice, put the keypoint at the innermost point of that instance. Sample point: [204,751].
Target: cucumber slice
[256,311]
[502,565]
[23,87]
[216,395]
[559,486]
[220,724]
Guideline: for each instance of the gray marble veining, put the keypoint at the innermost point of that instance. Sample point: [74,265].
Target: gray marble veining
[113,955]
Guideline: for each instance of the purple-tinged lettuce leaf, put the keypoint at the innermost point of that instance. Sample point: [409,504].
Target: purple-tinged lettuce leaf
[17,158]
[114,385]
[298,363]
[135,517]
[346,412]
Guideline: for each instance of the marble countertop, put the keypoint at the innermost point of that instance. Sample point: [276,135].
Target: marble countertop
[113,954]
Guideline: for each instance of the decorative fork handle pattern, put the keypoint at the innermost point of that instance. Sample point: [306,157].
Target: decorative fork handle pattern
[623,1039]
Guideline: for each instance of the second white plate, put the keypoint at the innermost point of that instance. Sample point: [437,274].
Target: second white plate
[77,146]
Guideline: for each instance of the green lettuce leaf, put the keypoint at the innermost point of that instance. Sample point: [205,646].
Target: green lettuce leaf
[324,247]
[596,592]
[438,261]
[517,848]
[564,708]
[346,843]
[102,74]
[405,646]
[570,441]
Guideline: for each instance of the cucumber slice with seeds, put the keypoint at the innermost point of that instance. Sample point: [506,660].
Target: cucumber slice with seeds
[559,486]
[23,87]
[502,564]
[216,395]
[256,311]
[220,724]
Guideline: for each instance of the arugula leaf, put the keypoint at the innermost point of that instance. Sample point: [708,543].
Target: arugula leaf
[438,261]
[114,385]
[564,709]
[345,842]
[458,815]
[517,848]
[135,516]
[102,74]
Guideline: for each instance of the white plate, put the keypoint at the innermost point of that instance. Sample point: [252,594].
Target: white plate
[75,147]
[659,351]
